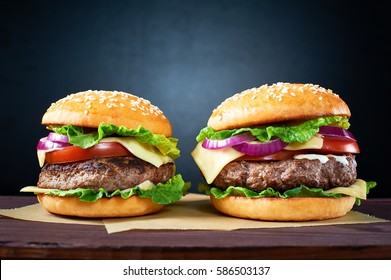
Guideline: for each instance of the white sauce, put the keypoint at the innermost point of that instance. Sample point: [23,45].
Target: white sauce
[322,158]
[341,159]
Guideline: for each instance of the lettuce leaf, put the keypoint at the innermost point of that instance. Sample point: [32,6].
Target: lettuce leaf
[301,191]
[287,133]
[85,139]
[166,193]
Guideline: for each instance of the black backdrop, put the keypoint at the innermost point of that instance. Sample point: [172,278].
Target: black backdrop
[186,57]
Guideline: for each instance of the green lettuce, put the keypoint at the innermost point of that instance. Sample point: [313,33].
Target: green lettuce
[166,193]
[301,191]
[85,139]
[287,133]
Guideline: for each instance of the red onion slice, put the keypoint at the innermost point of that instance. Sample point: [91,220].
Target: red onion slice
[228,142]
[337,132]
[45,144]
[55,137]
[261,149]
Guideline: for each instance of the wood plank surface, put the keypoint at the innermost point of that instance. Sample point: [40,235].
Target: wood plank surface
[36,240]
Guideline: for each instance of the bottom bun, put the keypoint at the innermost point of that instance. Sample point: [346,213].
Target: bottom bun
[284,209]
[102,208]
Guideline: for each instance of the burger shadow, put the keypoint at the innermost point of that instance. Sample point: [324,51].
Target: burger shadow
[185,208]
[202,206]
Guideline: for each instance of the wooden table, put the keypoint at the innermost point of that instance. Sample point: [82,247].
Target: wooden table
[36,240]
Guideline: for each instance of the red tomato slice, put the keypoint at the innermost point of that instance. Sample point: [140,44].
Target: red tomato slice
[75,153]
[338,146]
[330,146]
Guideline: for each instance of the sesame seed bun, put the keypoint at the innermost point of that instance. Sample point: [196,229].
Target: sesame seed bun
[102,208]
[276,103]
[90,108]
[286,209]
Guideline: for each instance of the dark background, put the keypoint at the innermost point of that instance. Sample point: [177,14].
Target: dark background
[186,57]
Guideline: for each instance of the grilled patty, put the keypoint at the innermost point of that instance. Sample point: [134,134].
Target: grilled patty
[110,173]
[287,174]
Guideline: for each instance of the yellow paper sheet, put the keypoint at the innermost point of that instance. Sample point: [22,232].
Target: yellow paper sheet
[36,213]
[193,212]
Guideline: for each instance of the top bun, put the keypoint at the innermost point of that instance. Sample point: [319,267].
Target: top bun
[277,103]
[90,108]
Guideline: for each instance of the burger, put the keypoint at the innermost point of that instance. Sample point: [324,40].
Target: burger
[281,152]
[109,154]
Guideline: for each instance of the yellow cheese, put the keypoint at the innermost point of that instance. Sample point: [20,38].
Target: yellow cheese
[146,185]
[315,142]
[144,151]
[34,189]
[41,154]
[357,189]
[210,162]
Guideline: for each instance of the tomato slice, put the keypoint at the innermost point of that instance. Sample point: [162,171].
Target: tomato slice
[75,153]
[339,146]
[330,146]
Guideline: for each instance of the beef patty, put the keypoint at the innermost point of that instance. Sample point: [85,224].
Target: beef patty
[287,174]
[109,173]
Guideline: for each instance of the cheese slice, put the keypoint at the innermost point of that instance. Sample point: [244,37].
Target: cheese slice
[357,189]
[41,154]
[146,185]
[143,151]
[210,162]
[316,142]
[35,189]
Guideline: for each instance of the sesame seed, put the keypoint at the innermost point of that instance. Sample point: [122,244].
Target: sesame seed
[321,89]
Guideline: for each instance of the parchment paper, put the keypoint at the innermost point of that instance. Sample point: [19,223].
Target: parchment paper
[36,213]
[192,212]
